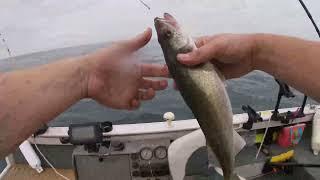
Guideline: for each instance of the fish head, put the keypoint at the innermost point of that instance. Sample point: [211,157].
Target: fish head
[170,33]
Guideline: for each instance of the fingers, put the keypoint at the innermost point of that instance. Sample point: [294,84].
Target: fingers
[154,84]
[134,104]
[154,70]
[124,48]
[208,49]
[139,41]
[203,54]
[146,94]
[143,95]
[200,41]
[150,86]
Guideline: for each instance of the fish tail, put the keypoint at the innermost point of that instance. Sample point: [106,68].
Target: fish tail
[237,177]
[234,176]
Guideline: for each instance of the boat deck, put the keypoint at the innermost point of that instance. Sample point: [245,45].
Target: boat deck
[23,171]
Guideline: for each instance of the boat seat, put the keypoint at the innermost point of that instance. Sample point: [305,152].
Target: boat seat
[182,148]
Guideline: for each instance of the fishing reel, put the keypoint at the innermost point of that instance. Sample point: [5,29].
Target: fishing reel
[253,117]
[284,90]
[90,135]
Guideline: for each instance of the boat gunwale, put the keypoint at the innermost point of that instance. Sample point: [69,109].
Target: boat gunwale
[176,126]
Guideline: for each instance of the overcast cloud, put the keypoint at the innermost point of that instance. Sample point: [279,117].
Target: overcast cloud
[38,25]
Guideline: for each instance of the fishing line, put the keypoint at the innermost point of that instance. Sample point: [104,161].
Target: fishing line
[145,4]
[313,23]
[305,96]
[35,143]
[264,136]
[44,157]
[5,44]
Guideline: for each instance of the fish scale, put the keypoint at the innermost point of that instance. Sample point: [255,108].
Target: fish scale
[203,91]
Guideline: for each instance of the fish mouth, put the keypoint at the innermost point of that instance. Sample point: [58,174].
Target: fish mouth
[166,20]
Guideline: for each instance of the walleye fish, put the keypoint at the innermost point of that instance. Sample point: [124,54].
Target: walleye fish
[203,91]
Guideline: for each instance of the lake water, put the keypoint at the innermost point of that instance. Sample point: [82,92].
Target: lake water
[257,89]
[40,26]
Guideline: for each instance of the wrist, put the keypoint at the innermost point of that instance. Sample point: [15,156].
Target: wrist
[260,51]
[92,65]
[86,67]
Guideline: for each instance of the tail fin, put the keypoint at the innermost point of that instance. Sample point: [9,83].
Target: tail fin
[237,177]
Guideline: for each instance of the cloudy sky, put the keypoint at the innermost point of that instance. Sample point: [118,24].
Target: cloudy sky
[38,25]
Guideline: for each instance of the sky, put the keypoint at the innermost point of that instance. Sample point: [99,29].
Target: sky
[38,25]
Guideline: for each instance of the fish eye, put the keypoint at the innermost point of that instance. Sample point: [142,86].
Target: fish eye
[168,33]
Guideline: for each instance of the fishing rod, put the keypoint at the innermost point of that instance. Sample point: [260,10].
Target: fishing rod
[5,44]
[145,4]
[300,112]
[310,17]
[318,32]
[301,109]
[283,91]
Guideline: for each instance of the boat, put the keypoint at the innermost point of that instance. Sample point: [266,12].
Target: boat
[141,151]
[153,148]
[169,148]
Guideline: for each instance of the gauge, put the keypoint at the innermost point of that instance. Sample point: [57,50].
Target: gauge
[160,152]
[146,154]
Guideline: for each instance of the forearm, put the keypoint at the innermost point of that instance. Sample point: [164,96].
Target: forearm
[30,98]
[292,60]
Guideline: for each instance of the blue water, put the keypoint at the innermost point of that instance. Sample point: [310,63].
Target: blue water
[257,89]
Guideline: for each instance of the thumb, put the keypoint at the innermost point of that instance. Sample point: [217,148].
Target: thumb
[197,56]
[139,41]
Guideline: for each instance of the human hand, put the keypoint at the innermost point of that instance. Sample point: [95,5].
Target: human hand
[233,54]
[118,81]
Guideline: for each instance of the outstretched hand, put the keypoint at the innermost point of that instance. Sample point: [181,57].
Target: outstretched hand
[118,81]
